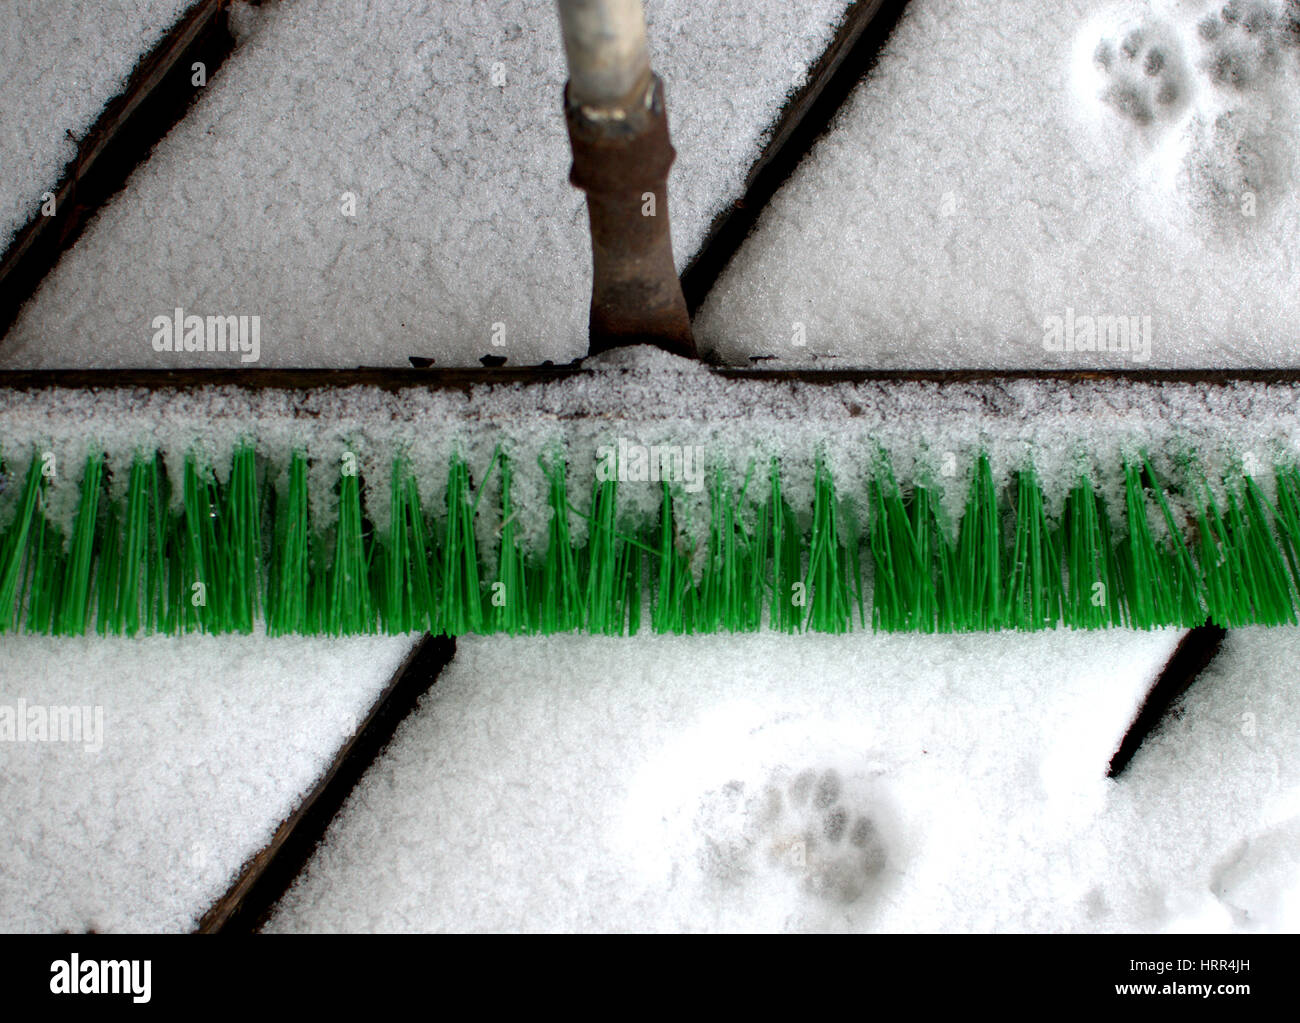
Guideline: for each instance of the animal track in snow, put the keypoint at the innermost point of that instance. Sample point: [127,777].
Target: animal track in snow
[1202,99]
[1245,42]
[836,851]
[1144,74]
[1259,877]
[802,826]
[1235,164]
[1249,53]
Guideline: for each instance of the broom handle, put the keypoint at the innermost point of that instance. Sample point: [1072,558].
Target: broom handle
[605,41]
[618,130]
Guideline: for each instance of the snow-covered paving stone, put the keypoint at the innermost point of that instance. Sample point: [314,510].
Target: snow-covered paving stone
[376,181]
[191,752]
[862,782]
[1093,182]
[60,63]
[1204,828]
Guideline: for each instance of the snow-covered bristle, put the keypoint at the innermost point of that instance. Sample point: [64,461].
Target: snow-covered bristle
[931,432]
[973,505]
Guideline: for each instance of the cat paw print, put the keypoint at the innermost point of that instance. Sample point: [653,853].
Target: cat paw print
[1234,171]
[1245,43]
[805,827]
[1240,161]
[726,854]
[1144,74]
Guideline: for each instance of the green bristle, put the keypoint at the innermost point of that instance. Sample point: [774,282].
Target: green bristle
[177,600]
[759,556]
[827,584]
[663,606]
[41,583]
[1273,598]
[408,595]
[160,537]
[559,596]
[732,587]
[1160,581]
[970,573]
[1221,566]
[1287,518]
[1092,592]
[462,598]
[729,562]
[200,564]
[287,605]
[318,592]
[611,565]
[673,610]
[243,538]
[136,573]
[1244,570]
[129,566]
[631,571]
[110,567]
[350,611]
[851,529]
[1034,586]
[1141,565]
[394,587]
[424,596]
[74,612]
[13,552]
[903,557]
[715,588]
[155,515]
[787,611]
[510,608]
[614,568]
[606,583]
[753,584]
[633,586]
[1186,602]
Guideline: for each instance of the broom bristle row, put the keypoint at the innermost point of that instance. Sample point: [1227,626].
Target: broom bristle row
[228,556]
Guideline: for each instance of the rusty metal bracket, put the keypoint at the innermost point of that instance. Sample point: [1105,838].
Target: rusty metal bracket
[621,158]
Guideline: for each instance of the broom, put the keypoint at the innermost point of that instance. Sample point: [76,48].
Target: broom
[642,489]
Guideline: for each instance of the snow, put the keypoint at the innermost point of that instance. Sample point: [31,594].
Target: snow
[1004,165]
[1209,810]
[60,63]
[1059,429]
[1009,166]
[205,746]
[811,783]
[442,123]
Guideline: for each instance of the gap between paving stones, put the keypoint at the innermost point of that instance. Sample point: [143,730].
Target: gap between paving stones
[157,96]
[1190,658]
[807,114]
[265,878]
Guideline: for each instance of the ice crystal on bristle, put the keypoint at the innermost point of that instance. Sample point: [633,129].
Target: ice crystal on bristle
[220,551]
